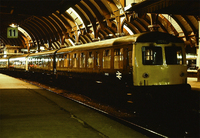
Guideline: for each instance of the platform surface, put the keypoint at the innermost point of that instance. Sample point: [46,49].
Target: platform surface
[194,83]
[29,111]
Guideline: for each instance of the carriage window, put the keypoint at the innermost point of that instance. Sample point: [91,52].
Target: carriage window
[61,61]
[118,58]
[40,62]
[45,61]
[90,62]
[82,60]
[97,59]
[106,59]
[57,60]
[75,60]
[173,55]
[67,60]
[152,56]
[51,61]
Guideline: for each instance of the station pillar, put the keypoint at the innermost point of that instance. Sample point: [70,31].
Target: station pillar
[154,22]
[198,56]
[198,49]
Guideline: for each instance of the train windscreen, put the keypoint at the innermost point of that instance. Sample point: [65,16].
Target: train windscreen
[152,55]
[173,55]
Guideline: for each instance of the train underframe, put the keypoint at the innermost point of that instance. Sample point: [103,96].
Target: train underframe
[110,87]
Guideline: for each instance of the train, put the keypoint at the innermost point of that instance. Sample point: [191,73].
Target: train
[147,60]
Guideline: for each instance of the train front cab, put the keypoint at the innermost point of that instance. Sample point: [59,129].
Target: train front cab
[160,64]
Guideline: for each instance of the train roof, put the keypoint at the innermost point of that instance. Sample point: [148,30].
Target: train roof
[157,37]
[101,44]
[19,56]
[4,59]
[43,53]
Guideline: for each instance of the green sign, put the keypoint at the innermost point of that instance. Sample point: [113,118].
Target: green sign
[12,32]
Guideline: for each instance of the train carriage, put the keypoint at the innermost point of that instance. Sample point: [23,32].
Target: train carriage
[101,62]
[147,59]
[4,63]
[18,63]
[42,62]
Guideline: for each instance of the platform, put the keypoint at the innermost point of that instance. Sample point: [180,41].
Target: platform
[29,111]
[194,83]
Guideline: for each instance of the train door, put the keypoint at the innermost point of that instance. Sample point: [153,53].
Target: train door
[128,64]
[26,64]
[98,61]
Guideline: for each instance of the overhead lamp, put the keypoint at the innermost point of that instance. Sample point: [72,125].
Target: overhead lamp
[13,25]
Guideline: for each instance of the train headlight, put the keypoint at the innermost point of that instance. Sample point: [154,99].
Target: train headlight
[145,75]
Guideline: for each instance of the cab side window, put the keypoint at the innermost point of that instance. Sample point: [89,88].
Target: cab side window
[152,55]
[129,58]
[173,55]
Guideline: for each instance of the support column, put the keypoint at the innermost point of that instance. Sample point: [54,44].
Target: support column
[198,57]
[154,19]
[198,50]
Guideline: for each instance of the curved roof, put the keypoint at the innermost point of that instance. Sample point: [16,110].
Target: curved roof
[57,24]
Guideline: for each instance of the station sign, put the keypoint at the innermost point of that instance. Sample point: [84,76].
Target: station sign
[12,32]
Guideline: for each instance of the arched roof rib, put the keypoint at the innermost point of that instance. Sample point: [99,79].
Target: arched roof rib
[96,10]
[181,26]
[30,33]
[45,28]
[3,40]
[91,17]
[140,29]
[167,24]
[190,22]
[56,17]
[64,22]
[42,34]
[87,12]
[35,37]
[82,14]
[131,27]
[37,30]
[57,26]
[52,26]
[142,23]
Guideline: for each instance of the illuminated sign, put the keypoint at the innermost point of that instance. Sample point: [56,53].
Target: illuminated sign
[12,32]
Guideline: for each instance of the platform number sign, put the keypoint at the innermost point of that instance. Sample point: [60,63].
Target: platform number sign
[12,32]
